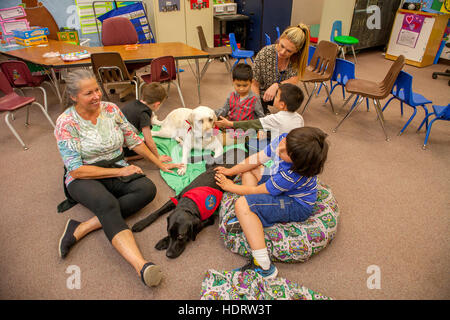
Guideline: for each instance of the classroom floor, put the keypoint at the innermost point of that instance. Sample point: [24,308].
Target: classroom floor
[393,197]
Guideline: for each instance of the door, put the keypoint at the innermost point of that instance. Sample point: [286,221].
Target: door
[198,17]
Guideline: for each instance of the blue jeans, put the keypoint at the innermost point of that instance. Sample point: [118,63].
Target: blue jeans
[275,209]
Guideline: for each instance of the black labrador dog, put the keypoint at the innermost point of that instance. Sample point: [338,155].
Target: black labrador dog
[184,223]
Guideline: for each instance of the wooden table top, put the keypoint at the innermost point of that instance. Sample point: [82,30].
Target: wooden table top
[142,52]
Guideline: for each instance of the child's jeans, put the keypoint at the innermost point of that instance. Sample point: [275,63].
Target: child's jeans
[275,209]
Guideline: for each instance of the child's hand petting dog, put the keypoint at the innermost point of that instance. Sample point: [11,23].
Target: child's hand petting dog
[223,182]
[223,123]
[224,171]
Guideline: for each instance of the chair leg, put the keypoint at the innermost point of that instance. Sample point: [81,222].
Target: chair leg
[354,55]
[309,99]
[385,106]
[408,122]
[331,91]
[14,131]
[351,96]
[428,133]
[205,67]
[306,88]
[45,113]
[181,95]
[377,105]
[329,96]
[425,120]
[227,63]
[349,111]
[44,95]
[343,52]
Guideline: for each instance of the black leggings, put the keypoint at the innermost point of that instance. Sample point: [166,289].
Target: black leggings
[112,200]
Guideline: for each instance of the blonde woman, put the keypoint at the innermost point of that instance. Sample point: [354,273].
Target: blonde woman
[282,62]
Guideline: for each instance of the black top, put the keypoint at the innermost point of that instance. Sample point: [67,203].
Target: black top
[138,114]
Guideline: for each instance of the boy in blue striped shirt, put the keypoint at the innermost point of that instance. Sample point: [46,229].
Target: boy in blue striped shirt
[285,192]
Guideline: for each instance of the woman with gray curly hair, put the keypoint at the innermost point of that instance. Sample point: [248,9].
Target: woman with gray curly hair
[90,135]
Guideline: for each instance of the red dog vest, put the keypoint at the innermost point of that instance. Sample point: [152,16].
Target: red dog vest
[207,200]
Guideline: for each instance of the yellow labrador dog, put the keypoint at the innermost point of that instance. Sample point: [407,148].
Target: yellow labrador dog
[193,128]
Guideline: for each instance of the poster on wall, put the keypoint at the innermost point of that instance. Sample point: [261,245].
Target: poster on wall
[169,5]
[136,14]
[410,30]
[199,4]
[86,14]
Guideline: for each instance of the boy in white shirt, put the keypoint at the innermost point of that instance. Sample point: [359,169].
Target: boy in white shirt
[288,99]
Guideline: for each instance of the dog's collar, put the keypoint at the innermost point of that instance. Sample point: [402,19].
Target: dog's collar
[190,125]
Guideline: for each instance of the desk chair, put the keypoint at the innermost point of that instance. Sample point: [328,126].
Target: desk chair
[19,76]
[373,90]
[446,73]
[440,113]
[402,91]
[342,41]
[238,53]
[11,102]
[220,53]
[163,70]
[110,69]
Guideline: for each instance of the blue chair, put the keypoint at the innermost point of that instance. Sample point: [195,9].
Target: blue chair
[402,91]
[343,41]
[278,32]
[441,113]
[343,71]
[268,41]
[238,53]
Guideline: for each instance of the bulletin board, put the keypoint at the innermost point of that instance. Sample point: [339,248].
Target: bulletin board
[136,14]
[86,15]
[416,35]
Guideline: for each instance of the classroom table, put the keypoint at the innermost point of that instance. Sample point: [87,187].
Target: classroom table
[145,52]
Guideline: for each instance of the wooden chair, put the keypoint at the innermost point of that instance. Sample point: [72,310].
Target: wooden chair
[373,90]
[221,53]
[110,69]
[321,68]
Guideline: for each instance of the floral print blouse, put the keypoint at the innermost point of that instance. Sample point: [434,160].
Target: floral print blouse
[81,142]
[265,69]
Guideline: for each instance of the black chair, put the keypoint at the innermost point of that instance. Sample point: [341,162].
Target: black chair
[446,73]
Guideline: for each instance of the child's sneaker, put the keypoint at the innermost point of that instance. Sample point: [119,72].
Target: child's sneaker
[233,226]
[269,274]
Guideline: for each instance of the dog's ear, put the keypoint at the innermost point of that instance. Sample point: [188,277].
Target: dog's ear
[190,118]
[192,232]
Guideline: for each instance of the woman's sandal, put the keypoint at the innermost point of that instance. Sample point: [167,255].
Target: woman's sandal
[151,274]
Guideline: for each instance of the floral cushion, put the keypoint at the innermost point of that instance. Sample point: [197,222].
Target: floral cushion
[249,285]
[287,242]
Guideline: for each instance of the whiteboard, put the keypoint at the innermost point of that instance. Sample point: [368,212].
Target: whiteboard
[413,53]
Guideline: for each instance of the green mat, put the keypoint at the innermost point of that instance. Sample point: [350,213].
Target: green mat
[170,147]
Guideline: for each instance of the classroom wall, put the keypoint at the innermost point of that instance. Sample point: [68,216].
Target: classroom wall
[336,10]
[306,11]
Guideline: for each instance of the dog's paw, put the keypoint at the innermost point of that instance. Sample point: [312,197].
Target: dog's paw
[182,171]
[162,244]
